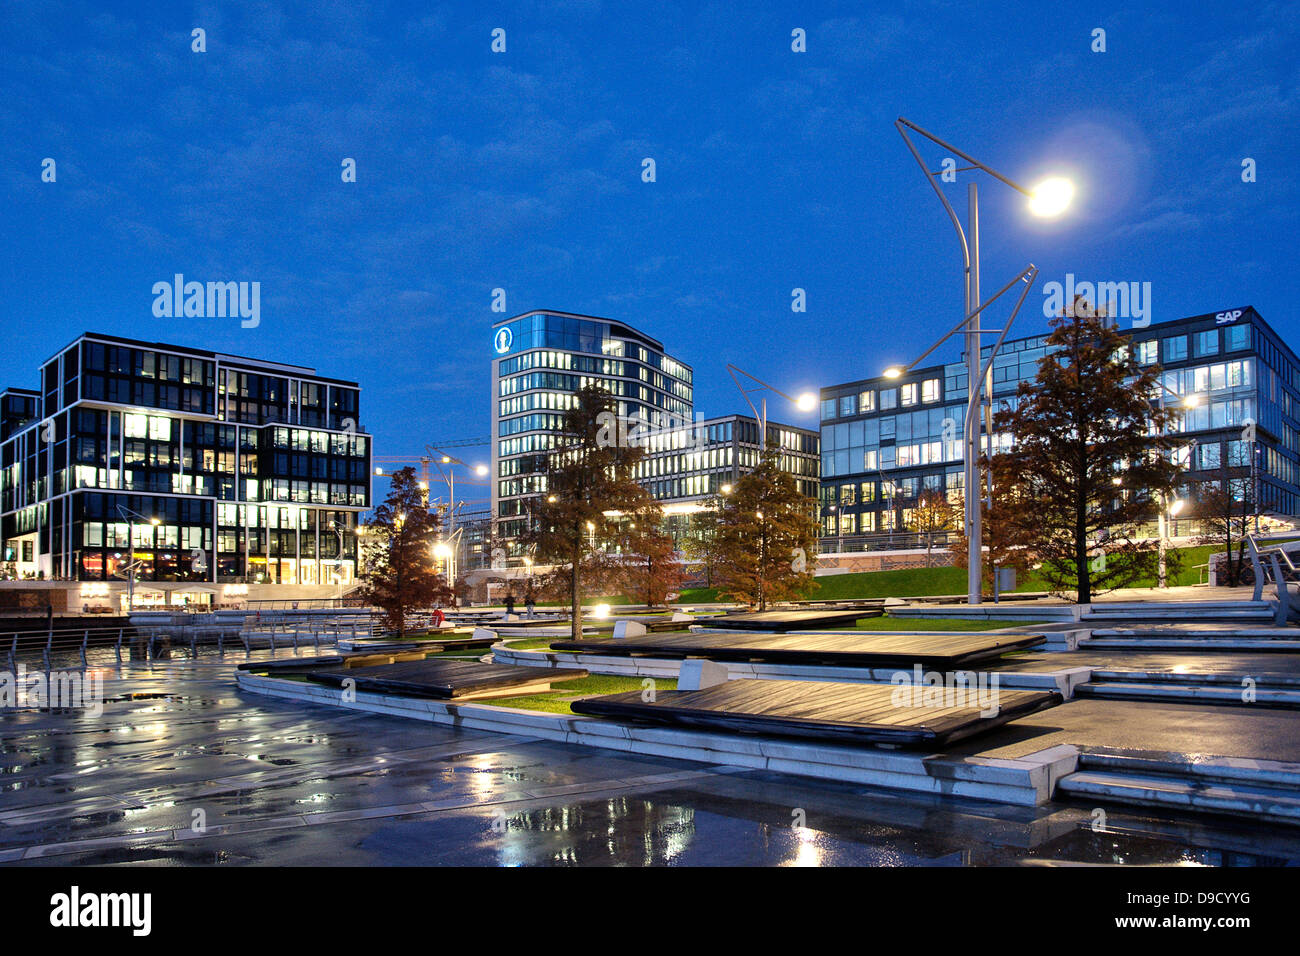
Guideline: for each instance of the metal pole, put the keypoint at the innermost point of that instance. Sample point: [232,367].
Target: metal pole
[974,537]
[1160,530]
[130,565]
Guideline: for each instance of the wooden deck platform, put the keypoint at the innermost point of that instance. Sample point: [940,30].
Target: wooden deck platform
[445,679]
[936,649]
[792,620]
[863,713]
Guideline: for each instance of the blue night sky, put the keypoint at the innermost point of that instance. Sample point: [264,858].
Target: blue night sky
[522,170]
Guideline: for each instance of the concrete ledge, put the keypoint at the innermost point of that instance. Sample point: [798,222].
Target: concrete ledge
[1063,680]
[1027,781]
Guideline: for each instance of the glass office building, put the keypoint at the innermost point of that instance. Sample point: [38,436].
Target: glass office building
[886,440]
[543,358]
[540,359]
[686,465]
[222,468]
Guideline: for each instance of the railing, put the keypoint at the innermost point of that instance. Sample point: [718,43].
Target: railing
[1274,559]
[68,643]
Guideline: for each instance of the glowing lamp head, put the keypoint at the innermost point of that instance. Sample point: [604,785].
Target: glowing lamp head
[806,402]
[726,489]
[1051,197]
[600,611]
[1176,507]
[481,471]
[893,372]
[1191,401]
[441,550]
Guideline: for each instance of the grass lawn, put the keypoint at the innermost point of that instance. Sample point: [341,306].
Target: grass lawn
[535,644]
[924,582]
[557,701]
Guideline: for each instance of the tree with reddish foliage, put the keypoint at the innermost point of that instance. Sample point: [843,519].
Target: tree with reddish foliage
[933,514]
[652,569]
[399,569]
[1090,461]
[590,486]
[766,536]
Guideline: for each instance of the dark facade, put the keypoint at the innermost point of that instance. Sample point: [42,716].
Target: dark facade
[225,469]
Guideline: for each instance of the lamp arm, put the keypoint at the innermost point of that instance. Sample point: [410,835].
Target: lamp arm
[953,149]
[1027,276]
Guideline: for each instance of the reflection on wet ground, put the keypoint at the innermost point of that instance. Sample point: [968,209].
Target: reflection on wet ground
[183,769]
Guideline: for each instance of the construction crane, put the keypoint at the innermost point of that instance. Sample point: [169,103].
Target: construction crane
[437,457]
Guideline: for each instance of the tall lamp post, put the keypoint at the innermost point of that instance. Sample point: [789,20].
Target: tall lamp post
[131,565]
[1049,198]
[448,475]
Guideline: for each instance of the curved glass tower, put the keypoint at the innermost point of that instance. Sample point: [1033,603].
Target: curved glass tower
[540,359]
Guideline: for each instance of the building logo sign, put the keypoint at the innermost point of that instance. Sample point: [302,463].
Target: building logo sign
[1223,318]
[503,340]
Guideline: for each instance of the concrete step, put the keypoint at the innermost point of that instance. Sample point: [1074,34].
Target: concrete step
[1168,612]
[1120,674]
[1226,770]
[1237,798]
[1189,644]
[1246,617]
[1205,631]
[1264,696]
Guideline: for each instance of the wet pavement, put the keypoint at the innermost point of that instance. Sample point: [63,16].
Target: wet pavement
[183,769]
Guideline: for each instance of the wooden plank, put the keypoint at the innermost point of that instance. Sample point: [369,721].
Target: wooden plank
[866,650]
[810,709]
[791,620]
[441,678]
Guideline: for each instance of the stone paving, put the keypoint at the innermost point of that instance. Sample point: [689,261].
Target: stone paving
[183,769]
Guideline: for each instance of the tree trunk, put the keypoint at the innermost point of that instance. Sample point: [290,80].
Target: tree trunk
[575,601]
[1084,580]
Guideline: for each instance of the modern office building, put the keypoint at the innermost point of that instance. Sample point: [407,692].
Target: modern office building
[685,465]
[541,358]
[886,440]
[222,468]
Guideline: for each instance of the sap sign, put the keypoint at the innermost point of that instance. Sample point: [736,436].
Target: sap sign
[503,340]
[1223,318]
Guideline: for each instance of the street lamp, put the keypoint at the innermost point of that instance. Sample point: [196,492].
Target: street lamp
[338,568]
[1049,198]
[131,563]
[806,402]
[449,476]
